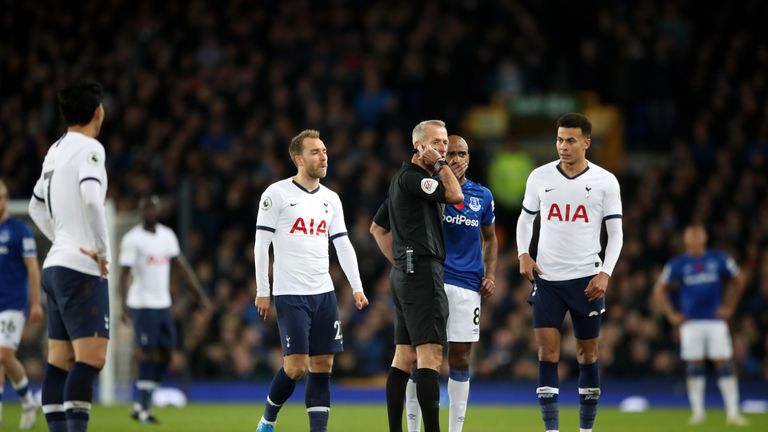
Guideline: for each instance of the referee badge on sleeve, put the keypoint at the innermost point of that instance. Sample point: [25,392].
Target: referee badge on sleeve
[428,185]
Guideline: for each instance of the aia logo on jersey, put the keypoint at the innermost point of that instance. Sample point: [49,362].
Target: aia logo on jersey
[156,260]
[565,214]
[311,228]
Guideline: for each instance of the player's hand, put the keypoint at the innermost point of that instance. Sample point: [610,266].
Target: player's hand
[262,304]
[487,287]
[125,315]
[35,313]
[428,155]
[597,286]
[459,168]
[724,312]
[100,260]
[361,300]
[676,318]
[528,266]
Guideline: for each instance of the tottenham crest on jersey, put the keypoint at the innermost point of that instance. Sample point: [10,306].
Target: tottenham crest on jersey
[475,203]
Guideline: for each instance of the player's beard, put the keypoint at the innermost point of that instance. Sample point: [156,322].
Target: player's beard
[318,172]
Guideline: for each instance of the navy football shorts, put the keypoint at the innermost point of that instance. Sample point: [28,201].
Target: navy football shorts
[552,299]
[153,328]
[78,304]
[309,324]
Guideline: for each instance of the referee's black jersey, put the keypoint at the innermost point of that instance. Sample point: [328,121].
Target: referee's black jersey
[415,214]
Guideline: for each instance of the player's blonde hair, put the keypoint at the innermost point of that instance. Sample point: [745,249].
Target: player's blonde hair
[418,131]
[297,142]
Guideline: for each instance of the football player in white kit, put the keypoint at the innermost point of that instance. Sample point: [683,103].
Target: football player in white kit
[146,254]
[298,216]
[574,197]
[68,207]
[710,285]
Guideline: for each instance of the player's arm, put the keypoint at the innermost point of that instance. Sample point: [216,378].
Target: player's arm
[383,239]
[182,264]
[266,221]
[734,288]
[91,171]
[38,212]
[490,257]
[33,275]
[524,229]
[661,295]
[613,227]
[125,282]
[381,232]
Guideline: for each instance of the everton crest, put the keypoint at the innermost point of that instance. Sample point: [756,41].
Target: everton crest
[475,204]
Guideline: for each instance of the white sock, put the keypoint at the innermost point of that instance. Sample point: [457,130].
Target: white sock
[458,393]
[696,387]
[729,389]
[585,430]
[412,408]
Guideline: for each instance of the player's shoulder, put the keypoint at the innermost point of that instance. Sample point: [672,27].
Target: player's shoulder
[601,173]
[544,171]
[165,230]
[132,234]
[326,191]
[718,254]
[476,189]
[17,225]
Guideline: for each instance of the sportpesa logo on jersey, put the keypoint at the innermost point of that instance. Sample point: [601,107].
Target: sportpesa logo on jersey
[461,220]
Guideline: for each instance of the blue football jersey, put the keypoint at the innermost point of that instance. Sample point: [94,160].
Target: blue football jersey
[16,242]
[700,281]
[461,228]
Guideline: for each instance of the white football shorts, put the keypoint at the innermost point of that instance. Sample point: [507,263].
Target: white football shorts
[11,328]
[705,339]
[463,314]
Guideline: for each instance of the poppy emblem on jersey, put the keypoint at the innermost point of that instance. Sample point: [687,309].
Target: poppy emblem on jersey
[93,158]
[266,204]
[428,185]
[459,206]
[475,204]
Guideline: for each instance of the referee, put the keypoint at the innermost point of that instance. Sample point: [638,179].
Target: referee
[417,274]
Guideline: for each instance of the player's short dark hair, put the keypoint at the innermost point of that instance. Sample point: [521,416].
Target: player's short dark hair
[576,121]
[79,100]
[297,142]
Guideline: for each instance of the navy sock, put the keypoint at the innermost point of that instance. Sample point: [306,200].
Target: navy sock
[547,392]
[318,400]
[281,389]
[146,384]
[694,370]
[78,395]
[53,398]
[159,371]
[396,382]
[589,393]
[428,393]
[723,371]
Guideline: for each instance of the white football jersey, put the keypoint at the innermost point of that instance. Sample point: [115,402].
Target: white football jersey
[73,159]
[149,256]
[302,222]
[572,211]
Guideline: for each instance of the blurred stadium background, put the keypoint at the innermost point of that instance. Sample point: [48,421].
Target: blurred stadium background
[204,97]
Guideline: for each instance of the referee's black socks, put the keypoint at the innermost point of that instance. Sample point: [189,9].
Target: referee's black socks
[397,380]
[428,392]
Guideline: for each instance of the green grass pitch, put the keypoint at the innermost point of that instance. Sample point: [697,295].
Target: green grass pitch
[373,418]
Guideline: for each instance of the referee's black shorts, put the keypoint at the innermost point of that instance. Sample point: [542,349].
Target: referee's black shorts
[421,305]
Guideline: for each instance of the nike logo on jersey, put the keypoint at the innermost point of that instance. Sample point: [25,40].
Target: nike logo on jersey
[549,190]
[293,204]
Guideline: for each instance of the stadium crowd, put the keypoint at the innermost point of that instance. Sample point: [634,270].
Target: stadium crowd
[205,97]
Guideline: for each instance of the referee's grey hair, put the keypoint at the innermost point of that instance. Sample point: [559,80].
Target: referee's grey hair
[418,131]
